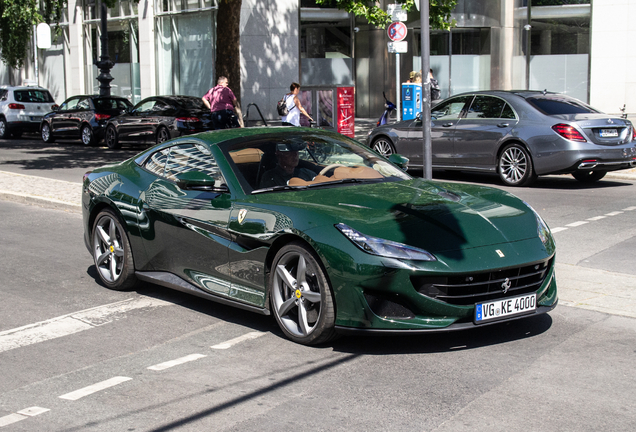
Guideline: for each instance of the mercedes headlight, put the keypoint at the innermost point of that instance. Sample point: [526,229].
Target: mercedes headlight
[384,248]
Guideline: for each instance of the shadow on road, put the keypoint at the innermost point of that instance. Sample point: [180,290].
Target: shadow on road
[30,153]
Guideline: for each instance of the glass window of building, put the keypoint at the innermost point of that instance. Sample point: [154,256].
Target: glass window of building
[185,46]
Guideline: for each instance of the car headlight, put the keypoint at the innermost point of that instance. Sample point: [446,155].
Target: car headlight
[542,228]
[384,248]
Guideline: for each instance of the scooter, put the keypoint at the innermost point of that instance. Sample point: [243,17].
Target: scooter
[389,108]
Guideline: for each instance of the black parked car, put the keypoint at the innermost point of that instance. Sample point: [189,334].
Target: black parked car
[159,118]
[83,117]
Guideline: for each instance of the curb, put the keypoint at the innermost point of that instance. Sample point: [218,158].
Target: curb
[40,201]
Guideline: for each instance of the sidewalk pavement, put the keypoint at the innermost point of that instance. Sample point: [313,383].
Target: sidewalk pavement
[581,287]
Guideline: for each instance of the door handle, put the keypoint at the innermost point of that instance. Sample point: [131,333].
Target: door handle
[447,124]
[503,125]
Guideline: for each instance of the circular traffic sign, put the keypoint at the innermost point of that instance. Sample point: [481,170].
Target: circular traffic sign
[397,31]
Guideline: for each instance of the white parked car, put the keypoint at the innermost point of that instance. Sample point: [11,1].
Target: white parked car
[22,109]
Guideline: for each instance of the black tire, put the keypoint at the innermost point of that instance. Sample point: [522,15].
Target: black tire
[86,135]
[112,253]
[111,138]
[589,176]
[162,135]
[46,134]
[515,166]
[300,296]
[4,132]
[384,146]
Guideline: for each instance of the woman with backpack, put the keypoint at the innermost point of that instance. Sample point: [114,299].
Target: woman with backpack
[293,106]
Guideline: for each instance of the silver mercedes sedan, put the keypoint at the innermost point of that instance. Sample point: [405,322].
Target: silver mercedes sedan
[518,134]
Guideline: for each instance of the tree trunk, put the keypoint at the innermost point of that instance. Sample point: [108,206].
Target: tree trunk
[228,41]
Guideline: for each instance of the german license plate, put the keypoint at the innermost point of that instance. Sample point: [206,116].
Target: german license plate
[609,133]
[505,308]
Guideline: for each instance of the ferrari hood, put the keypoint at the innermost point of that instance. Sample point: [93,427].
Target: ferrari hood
[431,215]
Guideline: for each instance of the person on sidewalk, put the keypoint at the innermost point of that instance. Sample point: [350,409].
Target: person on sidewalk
[223,104]
[294,108]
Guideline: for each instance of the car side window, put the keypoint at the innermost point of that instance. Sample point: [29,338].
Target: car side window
[156,163]
[451,109]
[145,107]
[3,94]
[83,104]
[508,113]
[70,104]
[192,157]
[485,107]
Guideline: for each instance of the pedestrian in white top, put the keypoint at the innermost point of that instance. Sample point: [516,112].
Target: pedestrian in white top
[294,108]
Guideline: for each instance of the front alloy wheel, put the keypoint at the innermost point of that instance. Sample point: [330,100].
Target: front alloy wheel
[162,135]
[515,166]
[3,129]
[111,252]
[383,146]
[111,138]
[87,135]
[47,137]
[300,296]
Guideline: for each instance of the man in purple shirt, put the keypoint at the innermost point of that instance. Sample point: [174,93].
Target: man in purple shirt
[222,104]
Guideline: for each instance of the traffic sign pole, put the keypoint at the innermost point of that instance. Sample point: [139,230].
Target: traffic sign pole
[397,32]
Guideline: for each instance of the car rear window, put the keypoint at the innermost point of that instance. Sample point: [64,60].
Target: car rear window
[111,104]
[32,96]
[190,103]
[554,106]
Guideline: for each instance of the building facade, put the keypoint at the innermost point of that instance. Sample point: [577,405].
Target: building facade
[168,47]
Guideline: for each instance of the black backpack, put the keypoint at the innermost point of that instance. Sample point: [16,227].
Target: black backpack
[281,107]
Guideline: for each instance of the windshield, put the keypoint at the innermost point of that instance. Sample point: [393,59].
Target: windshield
[561,105]
[294,160]
[190,103]
[111,103]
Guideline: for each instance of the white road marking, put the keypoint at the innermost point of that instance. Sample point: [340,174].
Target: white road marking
[11,418]
[176,362]
[72,323]
[231,342]
[33,411]
[613,213]
[557,229]
[575,224]
[77,394]
[630,208]
[595,218]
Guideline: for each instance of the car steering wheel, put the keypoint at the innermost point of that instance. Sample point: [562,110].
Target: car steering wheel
[328,167]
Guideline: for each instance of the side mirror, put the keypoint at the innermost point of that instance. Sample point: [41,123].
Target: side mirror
[196,180]
[418,117]
[55,107]
[399,160]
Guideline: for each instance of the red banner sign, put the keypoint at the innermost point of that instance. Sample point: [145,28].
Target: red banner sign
[346,111]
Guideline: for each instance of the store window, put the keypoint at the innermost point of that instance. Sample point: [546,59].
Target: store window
[185,46]
[326,45]
[123,48]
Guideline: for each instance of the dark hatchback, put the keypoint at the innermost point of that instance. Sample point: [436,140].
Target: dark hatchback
[159,118]
[82,117]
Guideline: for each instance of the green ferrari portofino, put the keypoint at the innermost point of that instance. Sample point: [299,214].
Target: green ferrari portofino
[318,230]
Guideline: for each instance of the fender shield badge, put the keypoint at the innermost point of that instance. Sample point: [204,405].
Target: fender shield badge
[241,216]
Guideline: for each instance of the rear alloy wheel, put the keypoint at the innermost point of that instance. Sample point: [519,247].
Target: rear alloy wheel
[4,133]
[515,166]
[87,135]
[111,252]
[47,136]
[111,138]
[589,176]
[162,135]
[383,146]
[300,296]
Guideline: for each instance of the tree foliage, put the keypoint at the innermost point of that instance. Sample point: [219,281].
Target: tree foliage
[439,11]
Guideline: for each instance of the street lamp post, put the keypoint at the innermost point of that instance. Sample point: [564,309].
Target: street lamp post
[104,64]
[427,152]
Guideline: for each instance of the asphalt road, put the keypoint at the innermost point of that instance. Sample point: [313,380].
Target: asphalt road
[76,356]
